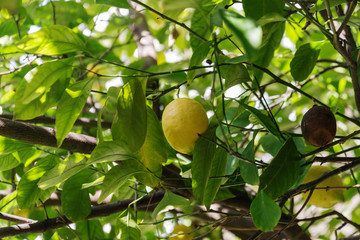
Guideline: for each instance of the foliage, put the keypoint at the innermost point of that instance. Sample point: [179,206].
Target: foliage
[83,87]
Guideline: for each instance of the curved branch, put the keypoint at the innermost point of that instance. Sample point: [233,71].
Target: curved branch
[15,218]
[62,221]
[45,136]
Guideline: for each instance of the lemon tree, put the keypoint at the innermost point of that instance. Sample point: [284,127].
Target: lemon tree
[120,118]
[183,121]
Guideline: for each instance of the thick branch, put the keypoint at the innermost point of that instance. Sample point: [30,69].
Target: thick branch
[83,122]
[14,218]
[62,221]
[45,136]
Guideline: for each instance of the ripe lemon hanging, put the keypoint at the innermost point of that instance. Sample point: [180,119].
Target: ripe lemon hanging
[318,126]
[182,120]
[182,230]
[324,198]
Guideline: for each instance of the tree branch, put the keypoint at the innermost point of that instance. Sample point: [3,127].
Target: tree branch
[14,218]
[45,136]
[83,122]
[308,185]
[279,80]
[170,19]
[62,221]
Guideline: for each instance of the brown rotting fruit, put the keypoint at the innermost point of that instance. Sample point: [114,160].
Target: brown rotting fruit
[318,126]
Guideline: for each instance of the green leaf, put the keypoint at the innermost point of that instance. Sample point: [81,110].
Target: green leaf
[115,3]
[174,8]
[197,57]
[233,74]
[90,229]
[130,121]
[8,162]
[249,172]
[273,33]
[53,40]
[110,151]
[238,59]
[258,8]
[263,119]
[320,4]
[218,168]
[7,203]
[42,103]
[27,156]
[215,16]
[282,172]
[114,179]
[270,144]
[265,212]
[129,230]
[153,152]
[171,201]
[7,27]
[62,171]
[75,201]
[203,155]
[8,146]
[200,23]
[68,13]
[70,107]
[271,18]
[28,192]
[304,61]
[246,30]
[39,79]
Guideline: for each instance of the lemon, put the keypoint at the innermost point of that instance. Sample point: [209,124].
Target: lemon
[318,126]
[182,230]
[22,212]
[182,121]
[324,198]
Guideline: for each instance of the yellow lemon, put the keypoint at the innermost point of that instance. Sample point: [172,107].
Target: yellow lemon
[183,119]
[182,230]
[22,212]
[324,198]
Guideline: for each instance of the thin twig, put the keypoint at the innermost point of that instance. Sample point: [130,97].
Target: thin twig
[20,67]
[313,183]
[341,216]
[183,25]
[100,59]
[279,80]
[54,12]
[17,24]
[340,141]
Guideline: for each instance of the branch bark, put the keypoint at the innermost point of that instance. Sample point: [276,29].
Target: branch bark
[62,221]
[83,122]
[45,136]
